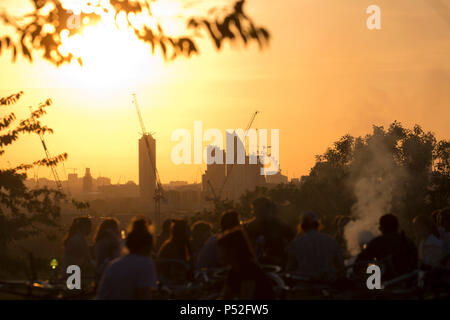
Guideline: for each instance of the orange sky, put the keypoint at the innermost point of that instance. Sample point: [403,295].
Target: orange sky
[324,75]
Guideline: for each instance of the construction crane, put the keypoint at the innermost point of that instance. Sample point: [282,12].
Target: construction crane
[250,122]
[48,157]
[214,198]
[159,192]
[252,118]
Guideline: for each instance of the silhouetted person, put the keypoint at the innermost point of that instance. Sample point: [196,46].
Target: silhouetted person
[107,244]
[164,235]
[315,255]
[392,250]
[177,247]
[209,255]
[268,235]
[245,279]
[429,242]
[133,275]
[76,247]
[200,232]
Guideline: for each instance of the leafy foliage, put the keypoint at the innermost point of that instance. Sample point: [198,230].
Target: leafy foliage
[25,212]
[41,29]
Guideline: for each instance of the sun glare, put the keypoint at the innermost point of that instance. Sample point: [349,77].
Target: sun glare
[112,57]
[166,8]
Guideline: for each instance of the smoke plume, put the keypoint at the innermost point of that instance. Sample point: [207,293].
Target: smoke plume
[376,181]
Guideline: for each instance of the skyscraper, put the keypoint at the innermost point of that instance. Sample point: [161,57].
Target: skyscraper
[87,181]
[231,180]
[147,163]
[241,177]
[215,172]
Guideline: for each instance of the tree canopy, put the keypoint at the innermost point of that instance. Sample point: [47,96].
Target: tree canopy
[24,211]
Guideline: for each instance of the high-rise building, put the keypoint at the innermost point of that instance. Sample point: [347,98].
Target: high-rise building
[147,163]
[87,181]
[72,180]
[241,177]
[214,175]
[231,180]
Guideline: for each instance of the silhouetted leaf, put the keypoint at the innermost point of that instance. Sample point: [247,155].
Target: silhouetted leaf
[14,56]
[163,48]
[192,23]
[213,35]
[26,52]
[238,7]
[39,3]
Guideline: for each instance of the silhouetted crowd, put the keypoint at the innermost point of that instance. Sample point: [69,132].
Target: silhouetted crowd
[133,264]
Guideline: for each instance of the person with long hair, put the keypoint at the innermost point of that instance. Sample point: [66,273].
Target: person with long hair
[201,231]
[132,276]
[164,235]
[174,262]
[209,255]
[76,246]
[177,246]
[268,234]
[245,279]
[107,244]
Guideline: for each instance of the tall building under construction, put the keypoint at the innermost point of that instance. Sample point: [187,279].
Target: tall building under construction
[231,180]
[147,163]
[214,177]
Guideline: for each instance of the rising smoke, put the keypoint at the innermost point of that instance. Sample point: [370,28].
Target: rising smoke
[376,180]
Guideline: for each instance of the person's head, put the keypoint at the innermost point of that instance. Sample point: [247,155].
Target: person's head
[263,208]
[80,226]
[109,226]
[201,231]
[445,219]
[309,221]
[229,220]
[236,248]
[139,239]
[388,223]
[179,230]
[424,226]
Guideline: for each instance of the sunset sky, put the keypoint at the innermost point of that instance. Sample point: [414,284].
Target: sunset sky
[324,75]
